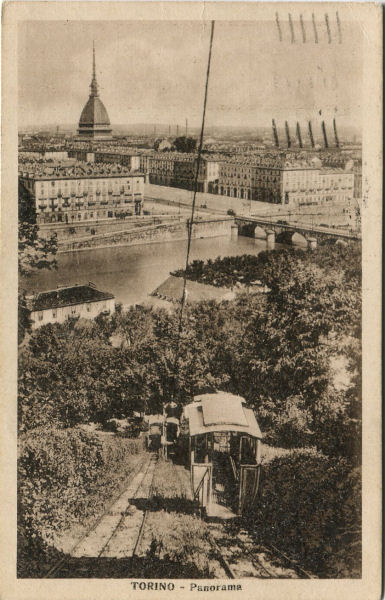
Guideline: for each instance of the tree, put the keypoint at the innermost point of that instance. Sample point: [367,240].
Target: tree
[35,252]
[185,144]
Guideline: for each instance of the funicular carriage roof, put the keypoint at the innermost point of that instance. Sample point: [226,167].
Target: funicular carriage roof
[221,412]
[159,419]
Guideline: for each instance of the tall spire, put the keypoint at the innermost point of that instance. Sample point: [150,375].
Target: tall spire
[94,85]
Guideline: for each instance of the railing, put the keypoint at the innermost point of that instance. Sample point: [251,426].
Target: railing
[200,486]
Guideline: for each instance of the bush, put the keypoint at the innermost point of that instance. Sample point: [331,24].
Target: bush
[64,476]
[310,508]
[231,212]
[180,539]
[111,426]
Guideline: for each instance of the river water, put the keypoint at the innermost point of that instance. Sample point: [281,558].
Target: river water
[133,272]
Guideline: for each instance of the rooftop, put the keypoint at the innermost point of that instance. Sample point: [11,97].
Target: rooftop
[79,170]
[67,296]
[221,411]
[172,288]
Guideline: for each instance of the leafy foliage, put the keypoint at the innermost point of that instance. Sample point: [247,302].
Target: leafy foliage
[185,144]
[310,508]
[64,476]
[35,252]
[276,350]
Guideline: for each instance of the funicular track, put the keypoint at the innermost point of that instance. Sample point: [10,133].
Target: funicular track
[180,483]
[242,556]
[108,536]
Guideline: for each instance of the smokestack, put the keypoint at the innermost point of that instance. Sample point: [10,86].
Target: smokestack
[324,134]
[311,135]
[287,134]
[299,135]
[336,134]
[177,130]
[275,134]
[186,127]
[169,130]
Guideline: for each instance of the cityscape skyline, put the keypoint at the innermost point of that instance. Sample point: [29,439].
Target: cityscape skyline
[155,83]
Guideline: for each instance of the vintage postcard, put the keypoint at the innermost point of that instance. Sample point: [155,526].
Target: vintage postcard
[191,237]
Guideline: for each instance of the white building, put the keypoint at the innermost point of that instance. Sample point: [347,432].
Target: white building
[56,306]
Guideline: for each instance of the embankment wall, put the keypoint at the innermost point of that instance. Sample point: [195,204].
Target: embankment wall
[152,234]
[70,232]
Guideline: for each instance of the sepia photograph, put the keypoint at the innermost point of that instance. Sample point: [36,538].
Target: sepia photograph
[190,196]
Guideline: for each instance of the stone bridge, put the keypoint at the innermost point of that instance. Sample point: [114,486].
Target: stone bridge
[289,233]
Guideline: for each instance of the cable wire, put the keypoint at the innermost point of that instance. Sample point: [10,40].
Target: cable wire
[191,220]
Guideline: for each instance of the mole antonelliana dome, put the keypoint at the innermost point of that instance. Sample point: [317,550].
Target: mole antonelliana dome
[94,121]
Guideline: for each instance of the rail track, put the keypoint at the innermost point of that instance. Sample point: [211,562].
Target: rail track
[180,482]
[241,556]
[117,532]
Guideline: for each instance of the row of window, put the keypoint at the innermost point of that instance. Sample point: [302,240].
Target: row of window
[89,183]
[74,310]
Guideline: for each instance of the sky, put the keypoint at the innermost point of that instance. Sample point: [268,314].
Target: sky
[154,72]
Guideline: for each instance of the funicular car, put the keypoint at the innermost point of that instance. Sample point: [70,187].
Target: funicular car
[155,431]
[224,451]
[163,432]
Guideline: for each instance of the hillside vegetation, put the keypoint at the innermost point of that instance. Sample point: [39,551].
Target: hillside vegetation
[278,351]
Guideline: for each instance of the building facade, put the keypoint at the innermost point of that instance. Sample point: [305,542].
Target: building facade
[43,154]
[125,158]
[283,182]
[176,169]
[79,301]
[82,192]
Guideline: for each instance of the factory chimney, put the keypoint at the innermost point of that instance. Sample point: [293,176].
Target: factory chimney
[186,127]
[177,131]
[287,134]
[324,134]
[336,134]
[299,135]
[275,134]
[311,135]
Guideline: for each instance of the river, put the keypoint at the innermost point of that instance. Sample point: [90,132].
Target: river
[133,272]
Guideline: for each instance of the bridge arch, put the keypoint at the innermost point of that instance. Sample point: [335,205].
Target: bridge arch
[259,233]
[289,236]
[298,240]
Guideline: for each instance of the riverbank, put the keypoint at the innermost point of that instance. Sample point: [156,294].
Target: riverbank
[131,273]
[175,230]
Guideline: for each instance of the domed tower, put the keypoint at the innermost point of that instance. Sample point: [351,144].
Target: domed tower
[94,121]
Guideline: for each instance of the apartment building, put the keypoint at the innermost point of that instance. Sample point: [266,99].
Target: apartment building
[82,192]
